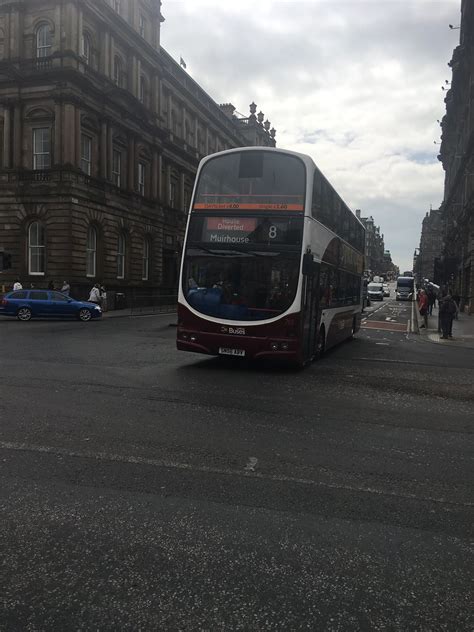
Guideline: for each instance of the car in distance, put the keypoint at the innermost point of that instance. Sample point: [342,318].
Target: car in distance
[26,304]
[386,289]
[375,291]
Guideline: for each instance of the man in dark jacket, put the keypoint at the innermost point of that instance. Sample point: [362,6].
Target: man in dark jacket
[431,300]
[447,311]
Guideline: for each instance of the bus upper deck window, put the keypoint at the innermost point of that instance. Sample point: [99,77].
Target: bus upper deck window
[251,165]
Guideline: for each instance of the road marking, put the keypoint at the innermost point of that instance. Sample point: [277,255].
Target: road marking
[252,464]
[382,324]
[409,362]
[138,460]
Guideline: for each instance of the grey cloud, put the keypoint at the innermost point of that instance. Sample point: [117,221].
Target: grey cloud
[354,84]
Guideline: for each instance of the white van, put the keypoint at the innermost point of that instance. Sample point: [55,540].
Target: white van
[375,291]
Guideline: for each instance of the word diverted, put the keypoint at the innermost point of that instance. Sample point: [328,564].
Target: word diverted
[250,230]
[232,224]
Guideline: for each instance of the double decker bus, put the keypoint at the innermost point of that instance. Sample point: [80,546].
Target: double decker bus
[272,262]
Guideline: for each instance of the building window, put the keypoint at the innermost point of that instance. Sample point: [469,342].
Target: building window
[36,249]
[44,41]
[146,259]
[141,25]
[121,256]
[42,148]
[91,252]
[86,154]
[118,72]
[142,89]
[117,168]
[117,4]
[172,194]
[170,269]
[141,178]
[86,48]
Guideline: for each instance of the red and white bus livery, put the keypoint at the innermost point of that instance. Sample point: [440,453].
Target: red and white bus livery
[272,261]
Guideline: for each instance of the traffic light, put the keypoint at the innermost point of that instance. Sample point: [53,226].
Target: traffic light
[7,261]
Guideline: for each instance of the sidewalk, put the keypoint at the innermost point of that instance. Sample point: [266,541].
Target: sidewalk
[129,312]
[463,331]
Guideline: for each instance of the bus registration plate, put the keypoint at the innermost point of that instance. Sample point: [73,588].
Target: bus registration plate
[232,352]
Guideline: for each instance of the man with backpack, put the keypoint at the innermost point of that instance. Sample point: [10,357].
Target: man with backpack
[447,311]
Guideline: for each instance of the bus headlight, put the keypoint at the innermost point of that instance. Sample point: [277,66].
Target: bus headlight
[274,346]
[284,346]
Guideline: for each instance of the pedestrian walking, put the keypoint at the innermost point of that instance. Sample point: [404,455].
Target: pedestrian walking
[457,300]
[447,311]
[17,286]
[431,301]
[66,288]
[103,298]
[423,307]
[94,296]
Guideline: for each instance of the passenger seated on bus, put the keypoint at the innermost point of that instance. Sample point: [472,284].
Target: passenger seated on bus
[227,291]
[204,299]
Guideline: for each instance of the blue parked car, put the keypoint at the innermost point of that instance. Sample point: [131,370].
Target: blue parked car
[25,304]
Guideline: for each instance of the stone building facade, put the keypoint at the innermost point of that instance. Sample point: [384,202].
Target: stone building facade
[431,245]
[101,133]
[378,260]
[456,265]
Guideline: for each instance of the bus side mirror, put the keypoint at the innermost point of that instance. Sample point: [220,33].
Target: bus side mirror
[308,264]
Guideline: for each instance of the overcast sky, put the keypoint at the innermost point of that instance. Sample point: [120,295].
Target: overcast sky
[356,84]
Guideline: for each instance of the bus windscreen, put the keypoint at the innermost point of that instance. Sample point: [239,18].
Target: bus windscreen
[240,284]
[251,180]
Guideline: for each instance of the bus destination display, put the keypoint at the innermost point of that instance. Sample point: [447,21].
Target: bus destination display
[246,230]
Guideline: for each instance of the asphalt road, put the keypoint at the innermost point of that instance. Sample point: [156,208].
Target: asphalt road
[147,489]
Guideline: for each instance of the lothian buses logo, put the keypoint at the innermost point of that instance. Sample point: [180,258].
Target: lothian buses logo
[237,331]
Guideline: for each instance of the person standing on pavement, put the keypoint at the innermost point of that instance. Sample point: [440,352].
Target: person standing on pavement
[457,300]
[94,296]
[423,307]
[66,288]
[431,301]
[17,286]
[447,311]
[103,298]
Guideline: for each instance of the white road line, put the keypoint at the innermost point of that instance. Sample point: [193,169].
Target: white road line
[138,460]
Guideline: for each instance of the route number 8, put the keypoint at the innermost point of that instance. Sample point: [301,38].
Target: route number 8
[272,233]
